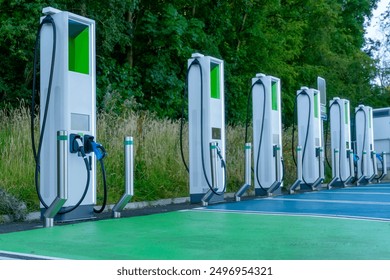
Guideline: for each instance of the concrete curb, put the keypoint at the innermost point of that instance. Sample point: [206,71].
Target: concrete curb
[33,216]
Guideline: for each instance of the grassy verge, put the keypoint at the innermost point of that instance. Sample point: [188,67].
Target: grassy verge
[159,171]
[16,159]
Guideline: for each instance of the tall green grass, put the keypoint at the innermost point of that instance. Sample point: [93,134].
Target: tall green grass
[16,159]
[159,171]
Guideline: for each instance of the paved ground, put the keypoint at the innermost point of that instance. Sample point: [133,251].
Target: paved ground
[339,224]
[27,225]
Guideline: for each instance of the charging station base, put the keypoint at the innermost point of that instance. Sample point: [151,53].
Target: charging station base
[83,212]
[197,198]
[306,187]
[261,192]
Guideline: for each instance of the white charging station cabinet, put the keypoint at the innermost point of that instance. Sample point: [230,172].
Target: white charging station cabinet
[206,123]
[340,128]
[310,134]
[267,133]
[381,120]
[364,130]
[72,104]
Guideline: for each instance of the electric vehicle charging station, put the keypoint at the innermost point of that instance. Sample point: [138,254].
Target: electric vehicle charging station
[206,117]
[267,134]
[342,154]
[381,121]
[68,88]
[310,163]
[365,150]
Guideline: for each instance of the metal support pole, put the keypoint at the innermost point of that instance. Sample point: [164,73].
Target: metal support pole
[129,177]
[322,163]
[214,179]
[248,163]
[384,164]
[278,163]
[62,179]
[351,168]
[321,169]
[384,167]
[336,156]
[278,173]
[248,172]
[364,163]
[337,162]
[297,183]
[374,166]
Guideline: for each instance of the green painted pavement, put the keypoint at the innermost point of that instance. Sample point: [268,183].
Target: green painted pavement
[208,235]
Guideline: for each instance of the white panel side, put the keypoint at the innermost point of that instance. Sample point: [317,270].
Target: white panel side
[58,105]
[381,122]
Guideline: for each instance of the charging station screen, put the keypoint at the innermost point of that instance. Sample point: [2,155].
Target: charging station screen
[79,122]
[274,91]
[78,47]
[214,81]
[316,105]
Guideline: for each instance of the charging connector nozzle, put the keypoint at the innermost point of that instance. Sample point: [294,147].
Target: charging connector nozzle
[92,146]
[77,145]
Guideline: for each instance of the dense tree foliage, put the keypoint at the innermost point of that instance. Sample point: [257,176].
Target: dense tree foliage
[143,47]
[383,54]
